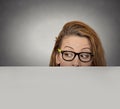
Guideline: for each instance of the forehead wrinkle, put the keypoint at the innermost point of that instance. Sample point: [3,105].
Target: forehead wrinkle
[76,42]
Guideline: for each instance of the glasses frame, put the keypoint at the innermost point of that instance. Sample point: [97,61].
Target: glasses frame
[62,52]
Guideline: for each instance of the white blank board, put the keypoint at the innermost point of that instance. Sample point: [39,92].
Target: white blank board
[59,88]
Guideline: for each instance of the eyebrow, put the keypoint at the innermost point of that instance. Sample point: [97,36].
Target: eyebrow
[86,48]
[81,49]
[69,47]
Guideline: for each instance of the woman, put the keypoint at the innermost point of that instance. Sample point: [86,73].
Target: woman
[77,45]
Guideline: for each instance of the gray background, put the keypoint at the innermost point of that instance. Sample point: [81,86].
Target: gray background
[59,88]
[28,28]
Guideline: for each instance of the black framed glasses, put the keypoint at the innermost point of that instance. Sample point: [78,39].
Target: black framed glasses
[70,55]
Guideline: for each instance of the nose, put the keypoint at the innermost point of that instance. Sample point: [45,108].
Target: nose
[76,62]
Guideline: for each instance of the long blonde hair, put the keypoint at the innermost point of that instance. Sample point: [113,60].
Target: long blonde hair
[82,30]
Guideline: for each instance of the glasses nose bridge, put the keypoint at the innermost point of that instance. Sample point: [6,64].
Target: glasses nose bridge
[77,55]
[76,60]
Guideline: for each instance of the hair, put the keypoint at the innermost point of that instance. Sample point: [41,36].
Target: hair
[80,29]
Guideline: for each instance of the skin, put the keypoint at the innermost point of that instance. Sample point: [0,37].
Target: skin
[76,44]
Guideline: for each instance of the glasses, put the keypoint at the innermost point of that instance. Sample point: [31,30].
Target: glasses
[70,55]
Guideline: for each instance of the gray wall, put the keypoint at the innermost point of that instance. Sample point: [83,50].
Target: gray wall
[28,28]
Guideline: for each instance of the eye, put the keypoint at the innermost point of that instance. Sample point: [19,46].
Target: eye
[68,54]
[85,55]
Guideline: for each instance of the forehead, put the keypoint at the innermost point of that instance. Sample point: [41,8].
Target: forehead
[76,42]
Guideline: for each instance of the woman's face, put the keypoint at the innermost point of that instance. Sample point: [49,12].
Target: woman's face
[71,45]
